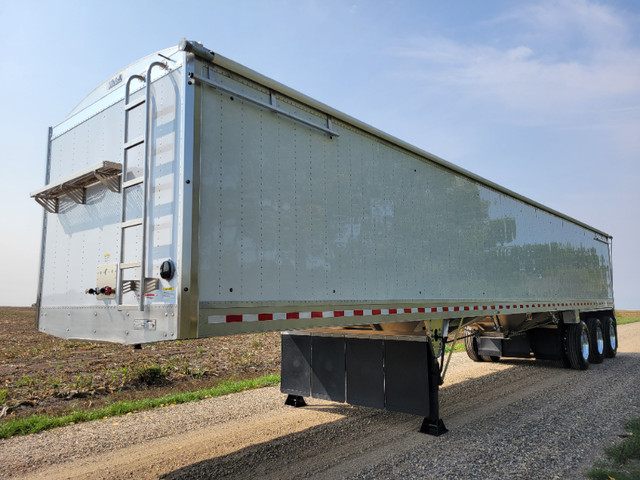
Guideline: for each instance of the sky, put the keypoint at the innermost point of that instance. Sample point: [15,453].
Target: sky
[541,97]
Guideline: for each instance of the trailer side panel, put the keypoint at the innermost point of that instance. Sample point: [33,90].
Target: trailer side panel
[294,218]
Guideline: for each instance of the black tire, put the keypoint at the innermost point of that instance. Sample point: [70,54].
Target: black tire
[564,356]
[596,340]
[610,334]
[578,345]
[565,360]
[471,345]
[490,358]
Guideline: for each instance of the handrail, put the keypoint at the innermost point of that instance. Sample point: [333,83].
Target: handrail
[268,106]
[145,174]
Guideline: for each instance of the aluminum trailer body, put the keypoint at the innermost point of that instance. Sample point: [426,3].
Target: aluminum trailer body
[189,196]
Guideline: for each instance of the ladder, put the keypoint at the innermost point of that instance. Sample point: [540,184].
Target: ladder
[141,284]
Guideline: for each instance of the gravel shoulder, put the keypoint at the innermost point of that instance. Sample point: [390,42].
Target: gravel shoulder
[515,419]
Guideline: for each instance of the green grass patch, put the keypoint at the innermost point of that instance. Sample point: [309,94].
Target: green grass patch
[39,423]
[623,459]
[627,316]
[625,320]
[458,348]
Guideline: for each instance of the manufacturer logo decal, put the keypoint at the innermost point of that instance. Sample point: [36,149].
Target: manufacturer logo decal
[115,81]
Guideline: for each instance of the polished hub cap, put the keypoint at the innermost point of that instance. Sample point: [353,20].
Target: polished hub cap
[600,341]
[585,343]
[612,336]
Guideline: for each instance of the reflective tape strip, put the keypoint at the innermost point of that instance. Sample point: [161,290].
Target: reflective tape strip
[262,317]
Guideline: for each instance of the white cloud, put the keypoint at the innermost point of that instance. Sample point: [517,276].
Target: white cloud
[591,22]
[540,76]
[519,53]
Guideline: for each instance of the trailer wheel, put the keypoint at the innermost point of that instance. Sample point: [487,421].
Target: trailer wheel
[610,333]
[471,345]
[564,356]
[490,358]
[578,342]
[596,337]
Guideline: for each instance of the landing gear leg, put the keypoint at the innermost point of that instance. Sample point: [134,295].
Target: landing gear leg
[433,424]
[295,401]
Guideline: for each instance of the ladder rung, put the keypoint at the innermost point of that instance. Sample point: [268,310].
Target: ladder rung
[133,182]
[131,223]
[125,266]
[133,104]
[133,143]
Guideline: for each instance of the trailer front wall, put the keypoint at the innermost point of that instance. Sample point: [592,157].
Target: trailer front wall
[290,216]
[81,238]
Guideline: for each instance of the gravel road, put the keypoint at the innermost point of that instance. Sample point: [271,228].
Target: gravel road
[515,419]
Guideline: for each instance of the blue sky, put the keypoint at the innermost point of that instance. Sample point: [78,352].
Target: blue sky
[542,97]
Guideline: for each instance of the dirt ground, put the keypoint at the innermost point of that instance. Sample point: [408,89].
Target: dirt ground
[43,374]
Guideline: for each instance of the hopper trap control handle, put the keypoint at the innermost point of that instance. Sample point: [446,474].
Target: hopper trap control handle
[100,291]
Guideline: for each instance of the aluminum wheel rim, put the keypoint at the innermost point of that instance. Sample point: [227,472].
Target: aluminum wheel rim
[600,341]
[612,336]
[584,338]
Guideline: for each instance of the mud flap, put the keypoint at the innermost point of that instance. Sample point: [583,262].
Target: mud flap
[400,375]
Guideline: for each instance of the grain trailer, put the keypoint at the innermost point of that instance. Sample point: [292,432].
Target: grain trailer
[189,196]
